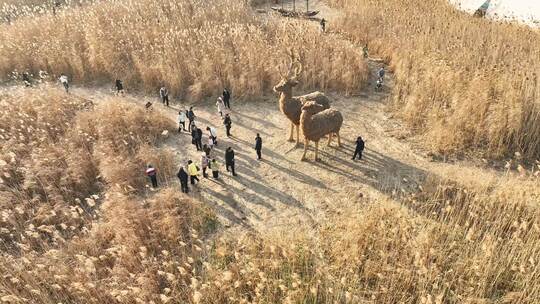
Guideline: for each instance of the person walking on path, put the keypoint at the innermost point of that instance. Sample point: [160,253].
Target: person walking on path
[206,150]
[359,148]
[199,138]
[26,79]
[119,87]
[323,25]
[204,164]
[191,117]
[210,143]
[65,82]
[227,122]
[195,137]
[258,146]
[212,132]
[182,121]
[229,160]
[191,125]
[193,171]
[164,94]
[380,74]
[220,106]
[378,85]
[227,98]
[152,174]
[214,166]
[183,177]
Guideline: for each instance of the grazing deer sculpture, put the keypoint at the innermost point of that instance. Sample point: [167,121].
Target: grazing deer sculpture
[316,123]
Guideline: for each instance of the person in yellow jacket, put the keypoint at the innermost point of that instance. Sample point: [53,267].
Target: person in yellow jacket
[193,171]
[214,166]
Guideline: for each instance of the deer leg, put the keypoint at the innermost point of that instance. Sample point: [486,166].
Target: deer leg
[329,139]
[306,144]
[297,134]
[291,132]
[338,139]
[316,150]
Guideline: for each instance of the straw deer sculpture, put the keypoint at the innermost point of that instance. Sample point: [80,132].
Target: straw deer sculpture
[291,106]
[316,123]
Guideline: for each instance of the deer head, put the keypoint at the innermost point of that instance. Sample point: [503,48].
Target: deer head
[289,79]
[311,107]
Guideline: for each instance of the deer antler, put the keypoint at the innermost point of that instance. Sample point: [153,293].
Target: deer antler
[283,64]
[298,70]
[294,68]
[280,71]
[299,66]
[290,53]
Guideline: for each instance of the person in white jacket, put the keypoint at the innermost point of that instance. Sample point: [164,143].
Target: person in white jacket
[65,82]
[182,121]
[220,106]
[212,133]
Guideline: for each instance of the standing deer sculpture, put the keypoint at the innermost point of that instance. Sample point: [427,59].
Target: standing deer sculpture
[316,123]
[291,106]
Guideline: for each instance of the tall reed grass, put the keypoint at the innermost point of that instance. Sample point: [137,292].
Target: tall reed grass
[193,47]
[465,84]
[75,216]
[381,253]
[58,153]
[10,10]
[78,226]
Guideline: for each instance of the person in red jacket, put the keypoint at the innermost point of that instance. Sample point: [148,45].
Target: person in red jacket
[152,174]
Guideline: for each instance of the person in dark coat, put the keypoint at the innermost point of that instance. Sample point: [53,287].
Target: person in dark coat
[323,25]
[119,87]
[206,149]
[229,160]
[164,94]
[227,98]
[380,74]
[152,174]
[227,122]
[199,139]
[359,148]
[26,79]
[183,177]
[191,117]
[194,137]
[258,146]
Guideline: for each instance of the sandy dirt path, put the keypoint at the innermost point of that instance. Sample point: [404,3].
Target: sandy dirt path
[281,191]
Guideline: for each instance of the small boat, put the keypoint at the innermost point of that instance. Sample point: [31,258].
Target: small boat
[290,13]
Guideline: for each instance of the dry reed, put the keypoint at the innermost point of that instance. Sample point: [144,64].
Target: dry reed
[193,47]
[465,84]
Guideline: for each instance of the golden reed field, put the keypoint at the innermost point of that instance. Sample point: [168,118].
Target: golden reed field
[463,83]
[192,47]
[79,223]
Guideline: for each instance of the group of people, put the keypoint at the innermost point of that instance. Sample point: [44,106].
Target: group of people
[189,174]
